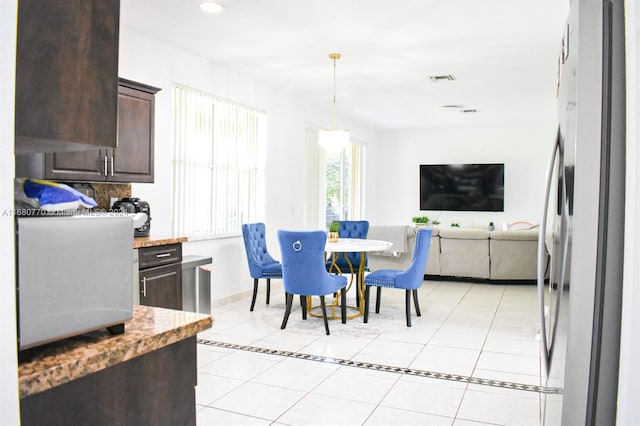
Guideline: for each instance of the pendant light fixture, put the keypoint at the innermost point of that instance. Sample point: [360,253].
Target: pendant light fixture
[333,140]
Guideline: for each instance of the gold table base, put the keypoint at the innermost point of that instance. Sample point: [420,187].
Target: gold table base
[335,305]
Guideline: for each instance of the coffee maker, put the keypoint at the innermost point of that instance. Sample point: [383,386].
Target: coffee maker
[135,205]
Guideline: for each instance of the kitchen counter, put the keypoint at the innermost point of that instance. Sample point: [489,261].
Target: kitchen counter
[156,240]
[64,361]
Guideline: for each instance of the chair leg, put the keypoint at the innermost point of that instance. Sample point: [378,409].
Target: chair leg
[378,298]
[255,293]
[343,304]
[287,311]
[303,305]
[408,306]
[416,303]
[324,314]
[366,303]
[268,289]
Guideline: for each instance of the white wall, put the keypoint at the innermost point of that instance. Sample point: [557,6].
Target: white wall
[152,62]
[392,167]
[393,170]
[9,407]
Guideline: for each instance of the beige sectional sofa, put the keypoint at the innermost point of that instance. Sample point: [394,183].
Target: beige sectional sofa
[464,253]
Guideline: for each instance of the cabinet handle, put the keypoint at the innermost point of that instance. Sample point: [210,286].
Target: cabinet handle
[144,287]
[112,165]
[105,165]
[163,255]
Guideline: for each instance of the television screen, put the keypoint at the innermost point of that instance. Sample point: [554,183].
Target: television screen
[462,187]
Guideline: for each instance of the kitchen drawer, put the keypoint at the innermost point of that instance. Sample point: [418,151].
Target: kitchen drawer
[159,255]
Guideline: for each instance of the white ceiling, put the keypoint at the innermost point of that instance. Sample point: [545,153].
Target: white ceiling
[503,53]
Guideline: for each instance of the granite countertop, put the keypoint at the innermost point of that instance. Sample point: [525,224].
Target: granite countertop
[150,328]
[155,240]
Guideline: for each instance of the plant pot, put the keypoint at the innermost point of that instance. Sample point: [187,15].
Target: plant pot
[333,237]
[420,224]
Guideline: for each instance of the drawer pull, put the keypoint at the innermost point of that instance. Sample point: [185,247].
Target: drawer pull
[163,255]
[144,287]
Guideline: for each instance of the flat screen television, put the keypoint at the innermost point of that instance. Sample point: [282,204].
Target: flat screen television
[462,187]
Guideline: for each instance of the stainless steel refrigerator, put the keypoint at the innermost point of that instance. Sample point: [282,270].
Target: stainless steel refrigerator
[580,293]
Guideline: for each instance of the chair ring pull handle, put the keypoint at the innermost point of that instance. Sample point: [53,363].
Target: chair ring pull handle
[297,246]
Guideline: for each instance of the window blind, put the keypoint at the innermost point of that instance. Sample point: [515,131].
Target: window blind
[218,164]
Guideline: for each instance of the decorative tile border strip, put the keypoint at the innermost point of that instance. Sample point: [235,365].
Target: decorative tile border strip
[386,368]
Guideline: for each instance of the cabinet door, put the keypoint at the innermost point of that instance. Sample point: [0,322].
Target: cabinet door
[77,166]
[66,74]
[132,160]
[162,286]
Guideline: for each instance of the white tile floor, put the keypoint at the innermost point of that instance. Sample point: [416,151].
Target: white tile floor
[484,331]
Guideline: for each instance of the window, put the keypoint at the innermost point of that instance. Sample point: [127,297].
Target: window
[343,184]
[219,160]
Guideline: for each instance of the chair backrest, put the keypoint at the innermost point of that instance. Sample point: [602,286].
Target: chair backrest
[303,267]
[353,229]
[412,277]
[255,245]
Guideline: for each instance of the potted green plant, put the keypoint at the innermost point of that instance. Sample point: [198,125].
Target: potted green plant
[455,225]
[333,235]
[491,226]
[420,220]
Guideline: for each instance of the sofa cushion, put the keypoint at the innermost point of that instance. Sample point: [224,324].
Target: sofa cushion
[468,257]
[513,259]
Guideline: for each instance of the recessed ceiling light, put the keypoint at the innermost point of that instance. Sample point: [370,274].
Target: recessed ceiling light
[211,7]
[450,108]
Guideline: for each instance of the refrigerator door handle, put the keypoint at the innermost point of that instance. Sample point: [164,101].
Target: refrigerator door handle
[542,253]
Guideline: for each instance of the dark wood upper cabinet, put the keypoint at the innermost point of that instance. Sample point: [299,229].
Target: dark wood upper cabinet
[131,161]
[66,75]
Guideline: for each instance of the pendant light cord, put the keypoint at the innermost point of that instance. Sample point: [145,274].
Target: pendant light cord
[335,57]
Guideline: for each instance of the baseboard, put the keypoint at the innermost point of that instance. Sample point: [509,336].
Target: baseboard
[275,286]
[476,280]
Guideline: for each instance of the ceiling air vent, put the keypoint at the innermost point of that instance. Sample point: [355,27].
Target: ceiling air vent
[437,78]
[468,110]
[450,108]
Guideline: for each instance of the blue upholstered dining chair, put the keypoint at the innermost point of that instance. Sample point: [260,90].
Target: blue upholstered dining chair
[261,264]
[409,280]
[351,229]
[304,273]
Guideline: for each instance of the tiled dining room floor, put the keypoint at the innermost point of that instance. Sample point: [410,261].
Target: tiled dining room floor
[470,359]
